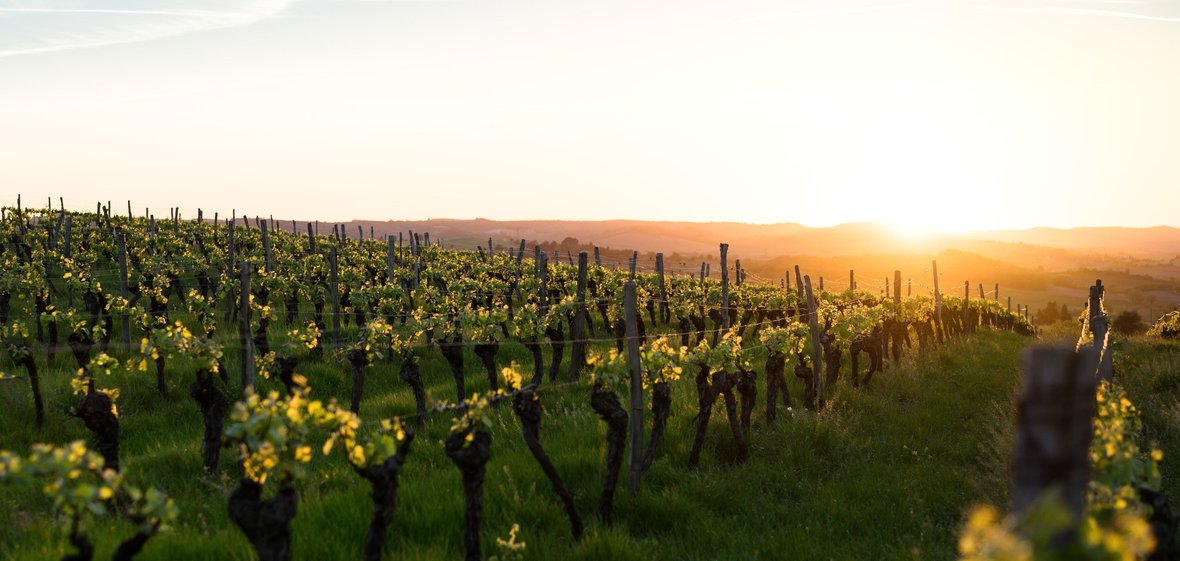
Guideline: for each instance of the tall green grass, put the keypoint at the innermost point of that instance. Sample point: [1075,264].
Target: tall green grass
[886,472]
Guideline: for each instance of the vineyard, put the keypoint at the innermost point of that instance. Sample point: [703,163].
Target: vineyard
[219,389]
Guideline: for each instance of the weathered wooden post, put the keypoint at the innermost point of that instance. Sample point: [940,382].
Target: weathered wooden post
[389,257]
[966,305]
[1054,426]
[665,311]
[937,303]
[335,292]
[897,289]
[635,459]
[266,247]
[724,288]
[124,318]
[1100,328]
[244,338]
[817,378]
[851,279]
[799,284]
[578,330]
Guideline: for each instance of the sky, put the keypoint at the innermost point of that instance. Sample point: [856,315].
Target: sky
[944,114]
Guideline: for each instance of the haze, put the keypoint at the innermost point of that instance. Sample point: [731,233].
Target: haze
[927,115]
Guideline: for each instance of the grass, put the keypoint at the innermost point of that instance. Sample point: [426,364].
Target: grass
[885,472]
[1149,369]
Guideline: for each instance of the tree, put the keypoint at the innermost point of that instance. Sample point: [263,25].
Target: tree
[1128,322]
[1049,315]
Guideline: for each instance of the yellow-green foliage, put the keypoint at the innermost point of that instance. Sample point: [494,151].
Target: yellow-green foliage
[274,433]
[81,488]
[1167,327]
[661,362]
[1115,523]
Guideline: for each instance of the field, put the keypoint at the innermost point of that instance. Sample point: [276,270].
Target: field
[816,486]
[854,469]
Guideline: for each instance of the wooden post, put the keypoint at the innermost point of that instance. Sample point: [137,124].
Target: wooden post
[997,292]
[1094,308]
[817,378]
[130,216]
[981,295]
[67,247]
[799,284]
[389,258]
[966,304]
[266,247]
[1054,425]
[597,257]
[541,259]
[417,269]
[664,310]
[578,329]
[724,288]
[851,279]
[310,239]
[244,337]
[937,302]
[1100,327]
[491,250]
[635,460]
[897,289]
[335,292]
[909,287]
[124,318]
[821,284]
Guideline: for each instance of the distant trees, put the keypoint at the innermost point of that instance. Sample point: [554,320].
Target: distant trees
[1128,323]
[1051,314]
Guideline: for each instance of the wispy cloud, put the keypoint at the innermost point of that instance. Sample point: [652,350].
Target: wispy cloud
[32,28]
[830,11]
[1078,11]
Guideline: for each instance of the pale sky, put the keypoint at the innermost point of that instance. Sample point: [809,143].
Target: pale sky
[939,114]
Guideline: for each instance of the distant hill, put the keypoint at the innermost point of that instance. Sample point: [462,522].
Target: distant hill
[758,241]
[1034,266]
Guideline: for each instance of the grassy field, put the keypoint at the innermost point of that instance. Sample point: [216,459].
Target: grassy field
[1149,370]
[885,472]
